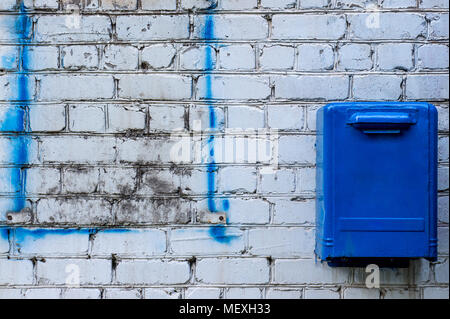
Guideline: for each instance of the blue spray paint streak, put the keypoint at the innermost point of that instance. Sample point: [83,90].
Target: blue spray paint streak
[218,232]
[15,116]
[21,235]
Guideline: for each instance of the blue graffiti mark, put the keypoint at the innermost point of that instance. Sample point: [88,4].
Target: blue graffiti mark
[14,119]
[4,233]
[22,234]
[218,232]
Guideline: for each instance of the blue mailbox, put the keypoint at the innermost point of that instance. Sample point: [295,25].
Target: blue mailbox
[376,181]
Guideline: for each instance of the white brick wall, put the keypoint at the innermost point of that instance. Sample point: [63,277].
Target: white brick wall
[106,86]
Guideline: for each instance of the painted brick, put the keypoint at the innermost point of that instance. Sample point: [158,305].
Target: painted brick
[361,293]
[46,4]
[277,57]
[278,4]
[199,241]
[355,57]
[152,27]
[237,57]
[200,114]
[443,149]
[82,87]
[304,153]
[285,117]
[42,293]
[198,4]
[154,181]
[10,57]
[81,293]
[158,56]
[377,26]
[47,118]
[395,56]
[435,293]
[282,181]
[281,241]
[238,4]
[284,293]
[306,179]
[10,88]
[133,242]
[122,118]
[438,26]
[159,4]
[72,271]
[321,294]
[307,271]
[6,177]
[428,87]
[152,272]
[77,57]
[81,180]
[443,240]
[238,212]
[87,118]
[167,118]
[122,293]
[232,270]
[198,58]
[243,293]
[315,57]
[51,242]
[237,179]
[149,211]
[443,178]
[77,149]
[432,56]
[393,4]
[117,180]
[244,117]
[11,293]
[332,87]
[67,211]
[119,4]
[18,272]
[43,180]
[202,293]
[308,26]
[143,150]
[162,293]
[433,4]
[158,87]
[294,212]
[377,87]
[443,117]
[232,87]
[48,58]
[8,5]
[401,294]
[62,28]
[4,240]
[230,27]
[441,271]
[443,209]
[117,57]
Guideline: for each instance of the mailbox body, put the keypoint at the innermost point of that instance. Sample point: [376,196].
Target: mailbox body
[376,180]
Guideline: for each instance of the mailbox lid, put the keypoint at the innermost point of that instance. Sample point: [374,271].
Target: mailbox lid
[376,180]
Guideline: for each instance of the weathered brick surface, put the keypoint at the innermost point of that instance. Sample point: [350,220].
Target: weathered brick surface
[105,119]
